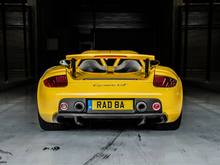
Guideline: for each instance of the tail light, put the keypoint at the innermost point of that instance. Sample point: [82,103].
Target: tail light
[56,81]
[164,81]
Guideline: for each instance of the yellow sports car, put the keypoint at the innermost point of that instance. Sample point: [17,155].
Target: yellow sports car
[98,84]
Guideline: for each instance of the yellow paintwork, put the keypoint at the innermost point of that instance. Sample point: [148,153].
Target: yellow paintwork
[79,87]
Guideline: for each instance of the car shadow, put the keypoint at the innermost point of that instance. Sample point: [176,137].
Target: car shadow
[112,125]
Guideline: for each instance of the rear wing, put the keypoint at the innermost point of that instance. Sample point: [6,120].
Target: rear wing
[112,55]
[75,59]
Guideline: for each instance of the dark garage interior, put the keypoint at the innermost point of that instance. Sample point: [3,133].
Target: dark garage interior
[182,34]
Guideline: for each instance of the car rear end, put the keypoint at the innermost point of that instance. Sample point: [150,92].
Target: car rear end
[153,93]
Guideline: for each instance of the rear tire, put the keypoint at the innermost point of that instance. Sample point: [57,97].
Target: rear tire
[170,126]
[50,126]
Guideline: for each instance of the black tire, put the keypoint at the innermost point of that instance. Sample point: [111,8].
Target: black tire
[170,126]
[50,126]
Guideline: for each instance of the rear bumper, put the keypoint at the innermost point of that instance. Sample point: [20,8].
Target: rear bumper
[159,117]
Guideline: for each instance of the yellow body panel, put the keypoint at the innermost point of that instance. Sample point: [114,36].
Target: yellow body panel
[142,87]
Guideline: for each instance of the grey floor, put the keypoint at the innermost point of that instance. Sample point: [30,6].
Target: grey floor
[23,142]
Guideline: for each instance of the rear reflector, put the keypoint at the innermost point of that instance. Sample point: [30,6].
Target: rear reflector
[56,81]
[156,106]
[63,106]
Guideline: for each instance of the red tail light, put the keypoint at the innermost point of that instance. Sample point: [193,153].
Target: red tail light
[56,81]
[164,81]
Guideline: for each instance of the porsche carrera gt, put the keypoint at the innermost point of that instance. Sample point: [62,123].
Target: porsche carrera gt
[109,84]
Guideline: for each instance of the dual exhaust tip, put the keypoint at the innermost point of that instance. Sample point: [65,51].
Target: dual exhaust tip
[141,106]
[79,106]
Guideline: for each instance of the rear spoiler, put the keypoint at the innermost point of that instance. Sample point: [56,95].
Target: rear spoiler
[149,60]
[89,56]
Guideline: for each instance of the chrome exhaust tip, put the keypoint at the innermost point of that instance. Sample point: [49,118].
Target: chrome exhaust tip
[79,106]
[141,106]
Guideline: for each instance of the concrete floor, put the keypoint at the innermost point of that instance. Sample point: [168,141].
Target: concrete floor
[197,141]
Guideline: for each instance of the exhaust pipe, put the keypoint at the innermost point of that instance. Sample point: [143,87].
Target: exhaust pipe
[79,106]
[141,106]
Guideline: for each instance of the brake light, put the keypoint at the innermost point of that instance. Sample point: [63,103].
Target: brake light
[164,81]
[110,56]
[56,81]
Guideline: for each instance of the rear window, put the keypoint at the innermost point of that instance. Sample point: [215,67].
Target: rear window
[124,65]
[92,66]
[128,66]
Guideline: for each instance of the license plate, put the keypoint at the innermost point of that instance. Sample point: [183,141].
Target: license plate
[110,105]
